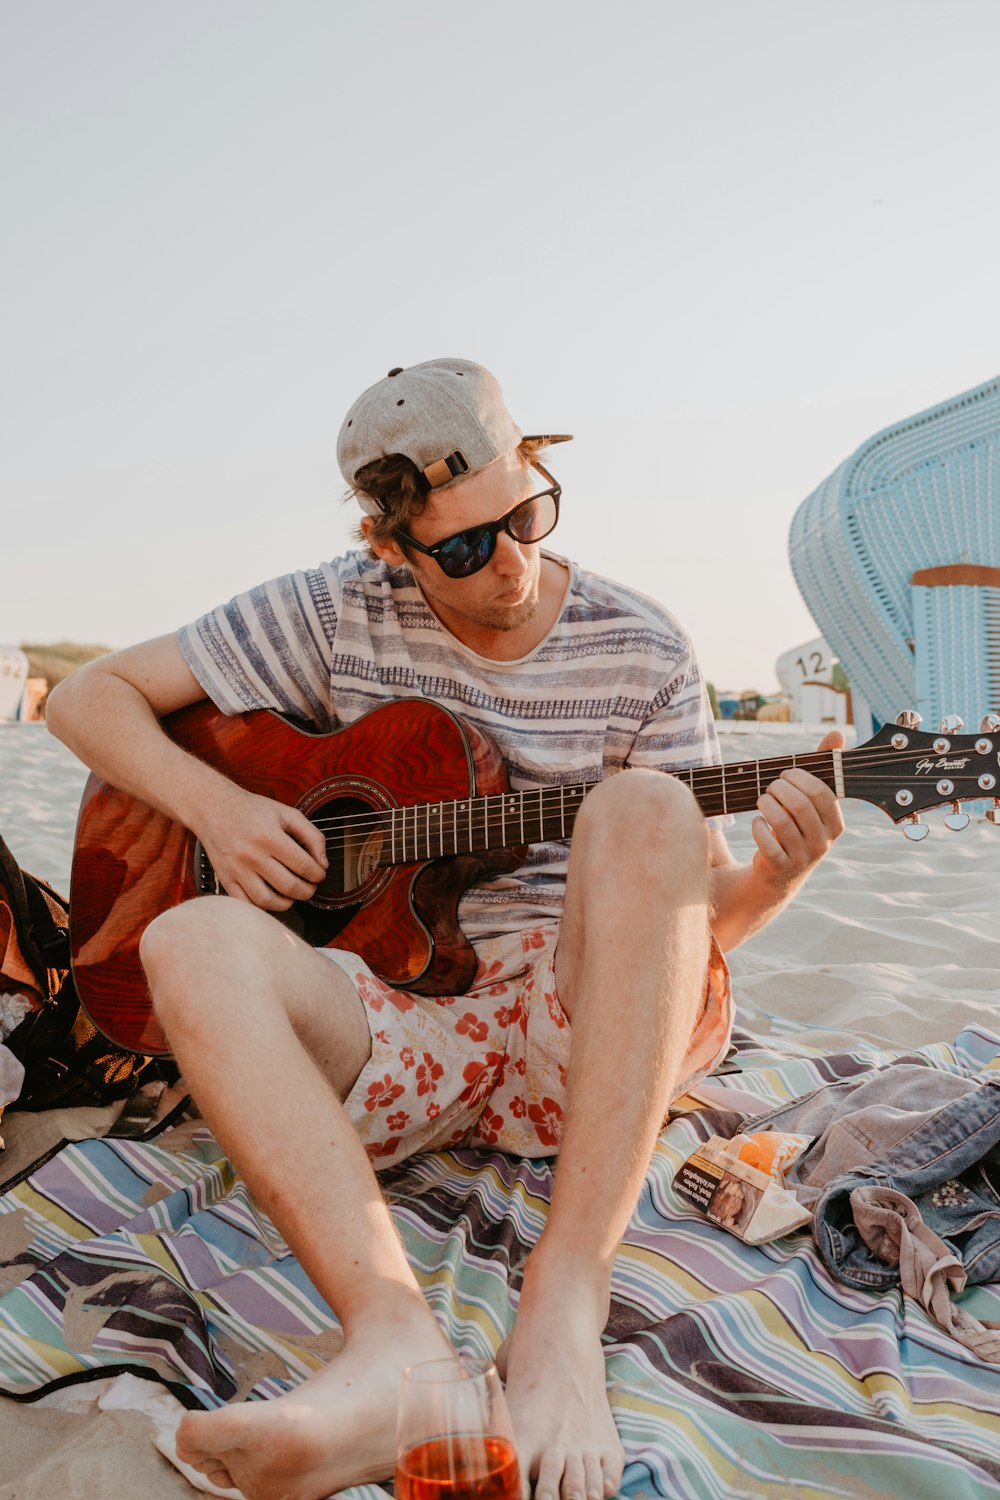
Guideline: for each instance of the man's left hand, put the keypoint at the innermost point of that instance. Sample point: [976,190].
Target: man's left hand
[800,821]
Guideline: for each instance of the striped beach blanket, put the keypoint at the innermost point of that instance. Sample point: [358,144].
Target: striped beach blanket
[733,1371]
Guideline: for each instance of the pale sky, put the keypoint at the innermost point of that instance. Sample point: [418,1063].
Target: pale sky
[721,243]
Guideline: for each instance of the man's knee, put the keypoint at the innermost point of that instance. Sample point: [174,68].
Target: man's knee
[646,816]
[206,958]
[171,934]
[183,947]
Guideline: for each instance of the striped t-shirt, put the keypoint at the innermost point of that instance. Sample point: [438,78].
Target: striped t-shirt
[614,683]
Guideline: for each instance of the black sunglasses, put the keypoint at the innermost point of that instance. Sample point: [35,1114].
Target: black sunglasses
[465,552]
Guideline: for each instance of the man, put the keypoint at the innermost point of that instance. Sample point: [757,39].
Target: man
[601,989]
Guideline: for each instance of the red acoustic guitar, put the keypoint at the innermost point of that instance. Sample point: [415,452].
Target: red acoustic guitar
[416,807]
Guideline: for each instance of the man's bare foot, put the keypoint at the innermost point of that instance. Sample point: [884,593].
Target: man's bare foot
[336,1429]
[553,1364]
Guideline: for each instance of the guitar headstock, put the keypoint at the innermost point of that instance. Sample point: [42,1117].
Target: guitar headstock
[905,770]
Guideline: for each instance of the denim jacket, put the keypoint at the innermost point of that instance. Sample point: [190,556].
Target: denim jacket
[932,1136]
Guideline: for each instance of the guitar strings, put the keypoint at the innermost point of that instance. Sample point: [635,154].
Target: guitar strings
[703,778]
[699,778]
[490,811]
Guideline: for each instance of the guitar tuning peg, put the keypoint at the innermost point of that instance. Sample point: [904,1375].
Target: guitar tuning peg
[914,830]
[957,819]
[951,724]
[989,724]
[909,719]
[993,813]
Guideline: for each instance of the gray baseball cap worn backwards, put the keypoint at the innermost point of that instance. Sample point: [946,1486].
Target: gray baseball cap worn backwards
[446,415]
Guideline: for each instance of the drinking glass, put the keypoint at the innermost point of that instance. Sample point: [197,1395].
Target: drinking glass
[454,1439]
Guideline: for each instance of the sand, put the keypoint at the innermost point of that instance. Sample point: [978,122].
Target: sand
[893,941]
[890,941]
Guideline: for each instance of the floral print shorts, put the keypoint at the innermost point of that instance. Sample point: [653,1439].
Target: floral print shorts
[488,1068]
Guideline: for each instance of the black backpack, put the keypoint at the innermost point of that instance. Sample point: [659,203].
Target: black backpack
[67,1062]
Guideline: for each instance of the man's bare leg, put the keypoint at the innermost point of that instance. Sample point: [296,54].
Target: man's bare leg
[631,971]
[265,1028]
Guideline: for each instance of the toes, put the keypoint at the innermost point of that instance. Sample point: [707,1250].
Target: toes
[613,1466]
[576,1478]
[220,1477]
[574,1483]
[550,1471]
[592,1476]
[595,1480]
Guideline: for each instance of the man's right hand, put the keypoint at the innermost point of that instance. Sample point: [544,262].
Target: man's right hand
[263,851]
[109,714]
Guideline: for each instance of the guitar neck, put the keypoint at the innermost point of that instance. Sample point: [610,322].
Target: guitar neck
[432,830]
[737,788]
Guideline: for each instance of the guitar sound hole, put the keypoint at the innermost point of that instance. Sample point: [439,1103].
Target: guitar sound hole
[354,842]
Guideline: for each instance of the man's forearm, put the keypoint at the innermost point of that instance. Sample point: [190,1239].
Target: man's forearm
[799,820]
[743,902]
[109,714]
[112,728]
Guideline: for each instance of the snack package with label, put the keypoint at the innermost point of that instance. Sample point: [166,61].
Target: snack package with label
[738,1184]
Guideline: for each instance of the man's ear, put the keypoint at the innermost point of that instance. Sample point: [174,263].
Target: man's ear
[389,552]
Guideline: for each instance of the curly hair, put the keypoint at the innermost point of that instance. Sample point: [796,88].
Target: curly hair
[400,490]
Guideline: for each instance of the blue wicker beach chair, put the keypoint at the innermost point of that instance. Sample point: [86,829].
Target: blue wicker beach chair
[956,638]
[897,556]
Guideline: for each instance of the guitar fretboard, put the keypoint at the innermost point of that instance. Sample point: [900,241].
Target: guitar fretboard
[432,830]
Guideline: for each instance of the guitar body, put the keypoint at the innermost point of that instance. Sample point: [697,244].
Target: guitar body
[131,862]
